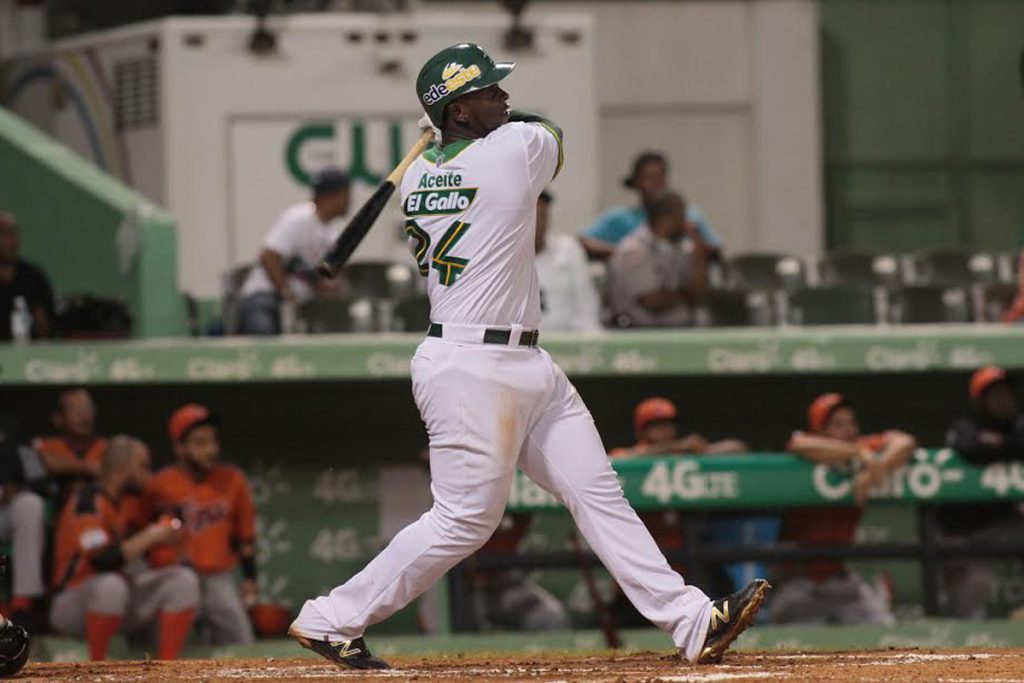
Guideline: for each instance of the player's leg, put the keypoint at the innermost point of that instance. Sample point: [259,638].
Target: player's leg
[470,399]
[563,454]
[94,610]
[166,597]
[797,601]
[27,518]
[516,600]
[969,584]
[222,611]
[859,602]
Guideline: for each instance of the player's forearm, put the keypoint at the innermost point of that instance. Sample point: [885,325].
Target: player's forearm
[897,451]
[597,248]
[67,467]
[822,449]
[663,300]
[136,546]
[274,268]
[530,117]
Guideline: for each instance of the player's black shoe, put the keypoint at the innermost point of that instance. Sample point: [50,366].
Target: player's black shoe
[350,653]
[730,616]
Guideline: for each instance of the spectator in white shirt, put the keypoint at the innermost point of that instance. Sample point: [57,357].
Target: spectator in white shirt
[567,296]
[658,272]
[292,249]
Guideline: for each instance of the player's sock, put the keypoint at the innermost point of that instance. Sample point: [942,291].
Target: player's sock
[19,603]
[99,631]
[174,628]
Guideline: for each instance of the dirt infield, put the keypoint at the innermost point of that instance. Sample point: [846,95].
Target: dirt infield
[954,666]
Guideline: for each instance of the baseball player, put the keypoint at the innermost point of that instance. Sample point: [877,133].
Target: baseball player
[73,456]
[491,399]
[829,591]
[100,586]
[215,505]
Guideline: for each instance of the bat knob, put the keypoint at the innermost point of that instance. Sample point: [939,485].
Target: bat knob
[325,270]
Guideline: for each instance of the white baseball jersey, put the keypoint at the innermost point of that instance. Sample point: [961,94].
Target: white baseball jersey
[492,407]
[471,216]
[297,235]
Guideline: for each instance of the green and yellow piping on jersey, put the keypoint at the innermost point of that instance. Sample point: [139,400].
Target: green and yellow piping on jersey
[438,155]
[450,267]
[557,132]
[439,202]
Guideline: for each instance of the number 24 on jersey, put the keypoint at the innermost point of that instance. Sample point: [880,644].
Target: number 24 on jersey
[448,267]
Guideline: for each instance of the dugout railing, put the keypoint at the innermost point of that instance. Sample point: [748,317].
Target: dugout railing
[769,484]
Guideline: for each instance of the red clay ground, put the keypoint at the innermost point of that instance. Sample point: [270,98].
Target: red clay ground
[954,666]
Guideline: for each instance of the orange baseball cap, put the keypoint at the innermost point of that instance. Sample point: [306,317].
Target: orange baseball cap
[983,378]
[186,418]
[821,410]
[652,410]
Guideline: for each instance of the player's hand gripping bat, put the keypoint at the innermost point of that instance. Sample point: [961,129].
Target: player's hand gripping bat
[364,219]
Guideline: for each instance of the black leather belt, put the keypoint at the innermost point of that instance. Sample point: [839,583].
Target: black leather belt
[493,335]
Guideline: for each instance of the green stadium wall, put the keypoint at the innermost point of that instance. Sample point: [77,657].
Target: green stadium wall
[72,218]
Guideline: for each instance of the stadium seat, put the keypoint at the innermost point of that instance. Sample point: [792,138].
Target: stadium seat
[338,315]
[725,308]
[231,284]
[413,314]
[765,271]
[951,268]
[929,304]
[858,269]
[844,305]
[378,279]
[995,299]
[1009,265]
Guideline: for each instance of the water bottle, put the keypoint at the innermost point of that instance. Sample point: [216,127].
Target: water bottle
[21,321]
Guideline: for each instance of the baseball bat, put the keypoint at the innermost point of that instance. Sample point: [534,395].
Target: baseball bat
[364,219]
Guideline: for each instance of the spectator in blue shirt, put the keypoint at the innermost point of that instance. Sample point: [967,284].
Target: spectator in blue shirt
[650,179]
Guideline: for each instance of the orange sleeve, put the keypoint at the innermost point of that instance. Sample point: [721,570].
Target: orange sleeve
[96,451]
[244,512]
[135,513]
[874,442]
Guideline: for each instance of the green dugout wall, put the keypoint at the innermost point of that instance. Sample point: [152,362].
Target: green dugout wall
[88,231]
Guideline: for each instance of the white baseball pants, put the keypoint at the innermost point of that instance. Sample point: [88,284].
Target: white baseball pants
[489,408]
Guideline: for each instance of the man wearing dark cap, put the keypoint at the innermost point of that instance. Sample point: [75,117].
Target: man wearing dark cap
[291,251]
[992,437]
[649,178]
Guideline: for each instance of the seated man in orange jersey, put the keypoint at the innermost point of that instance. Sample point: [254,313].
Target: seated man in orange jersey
[100,587]
[828,591]
[215,505]
[73,456]
[657,433]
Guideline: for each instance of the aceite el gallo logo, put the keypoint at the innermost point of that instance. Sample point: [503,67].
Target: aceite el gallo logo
[455,76]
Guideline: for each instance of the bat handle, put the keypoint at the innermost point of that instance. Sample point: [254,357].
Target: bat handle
[325,270]
[426,137]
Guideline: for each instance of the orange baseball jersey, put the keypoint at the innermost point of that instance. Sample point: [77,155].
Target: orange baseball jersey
[826,525]
[217,513]
[89,522]
[58,446]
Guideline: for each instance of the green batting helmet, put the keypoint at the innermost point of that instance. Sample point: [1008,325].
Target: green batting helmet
[453,72]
